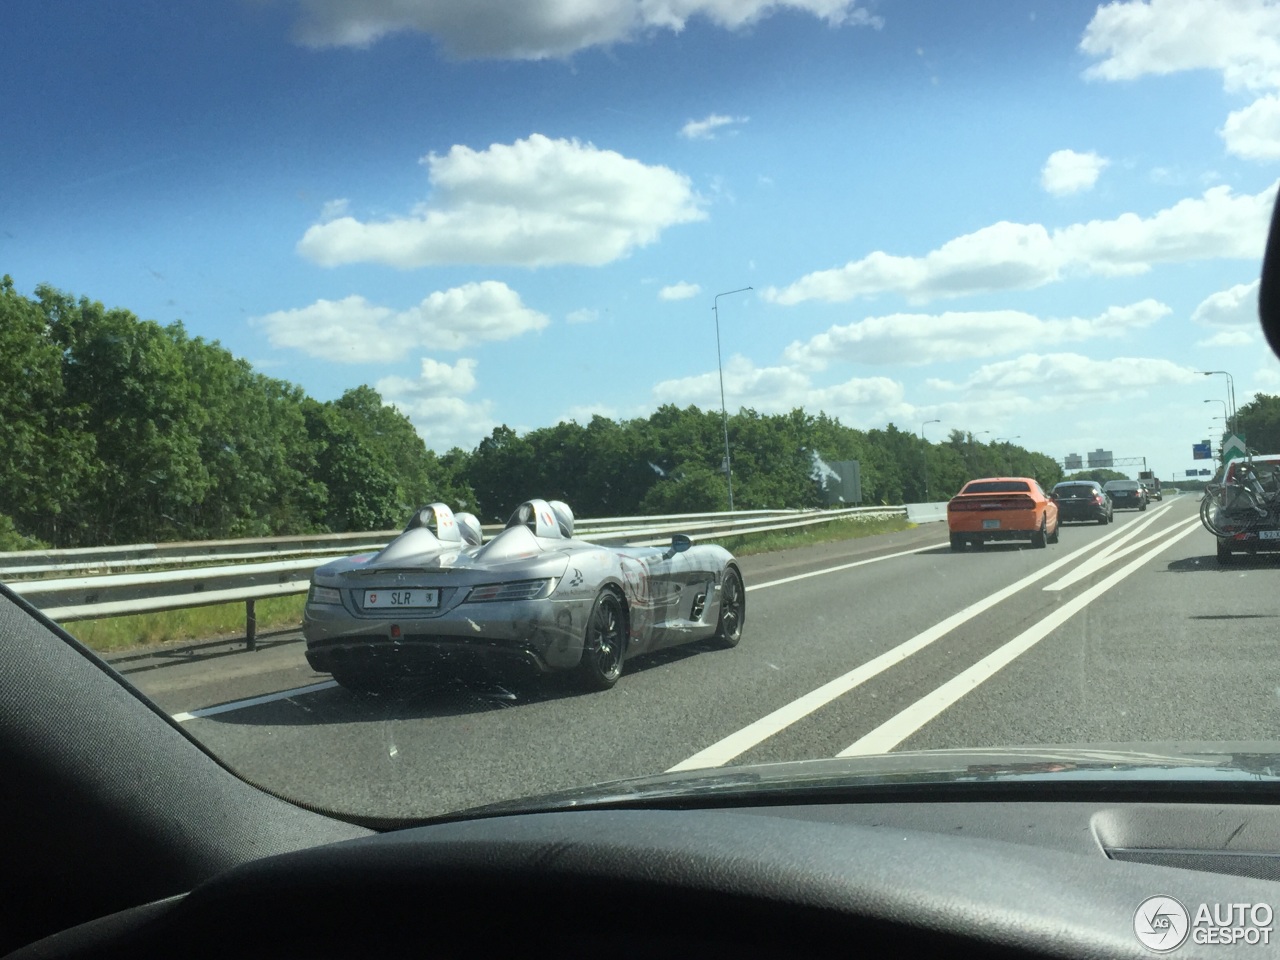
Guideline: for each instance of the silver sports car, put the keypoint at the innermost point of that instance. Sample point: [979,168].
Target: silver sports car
[437,601]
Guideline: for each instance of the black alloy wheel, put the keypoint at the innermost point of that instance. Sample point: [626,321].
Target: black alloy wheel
[733,610]
[604,644]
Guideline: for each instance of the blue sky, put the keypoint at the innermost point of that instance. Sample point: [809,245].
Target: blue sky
[1030,218]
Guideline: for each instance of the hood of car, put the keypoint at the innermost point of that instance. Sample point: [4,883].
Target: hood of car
[844,778]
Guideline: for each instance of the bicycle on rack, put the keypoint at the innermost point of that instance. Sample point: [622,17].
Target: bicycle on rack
[1243,510]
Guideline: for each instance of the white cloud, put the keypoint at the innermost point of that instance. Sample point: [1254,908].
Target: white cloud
[583,316]
[706,129]
[1070,375]
[353,330]
[435,403]
[334,209]
[535,202]
[1240,38]
[1069,172]
[913,338]
[583,413]
[1014,256]
[1233,307]
[1229,338]
[1254,132]
[679,291]
[539,29]
[780,389]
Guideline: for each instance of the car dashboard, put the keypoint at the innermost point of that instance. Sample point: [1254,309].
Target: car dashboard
[1030,878]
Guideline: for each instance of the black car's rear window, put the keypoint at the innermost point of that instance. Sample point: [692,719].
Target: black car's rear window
[1077,490]
[997,486]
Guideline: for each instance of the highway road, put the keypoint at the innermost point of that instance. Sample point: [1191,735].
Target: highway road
[1128,632]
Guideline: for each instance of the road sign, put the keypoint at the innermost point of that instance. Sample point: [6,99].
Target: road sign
[1201,451]
[1233,448]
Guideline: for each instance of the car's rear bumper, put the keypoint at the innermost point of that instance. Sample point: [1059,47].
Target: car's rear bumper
[1070,513]
[542,634]
[1252,541]
[1014,524]
[425,656]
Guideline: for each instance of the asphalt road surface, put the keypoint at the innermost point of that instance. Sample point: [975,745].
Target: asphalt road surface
[1120,633]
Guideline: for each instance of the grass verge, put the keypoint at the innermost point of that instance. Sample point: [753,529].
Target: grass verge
[194,623]
[114,634]
[847,528]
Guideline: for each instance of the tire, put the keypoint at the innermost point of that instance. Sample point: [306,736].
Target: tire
[1039,540]
[1225,556]
[1104,520]
[603,645]
[957,542]
[1142,508]
[1057,529]
[733,610]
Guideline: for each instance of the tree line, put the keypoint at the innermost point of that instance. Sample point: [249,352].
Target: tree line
[120,430]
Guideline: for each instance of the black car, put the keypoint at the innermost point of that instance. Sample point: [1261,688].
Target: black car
[1082,500]
[1126,494]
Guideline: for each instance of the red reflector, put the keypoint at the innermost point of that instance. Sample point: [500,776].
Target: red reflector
[395,630]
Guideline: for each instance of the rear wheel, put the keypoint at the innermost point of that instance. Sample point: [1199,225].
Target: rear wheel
[1038,539]
[602,647]
[733,610]
[1057,528]
[1104,520]
[957,542]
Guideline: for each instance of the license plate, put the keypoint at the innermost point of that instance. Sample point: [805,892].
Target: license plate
[386,599]
[1269,534]
[990,524]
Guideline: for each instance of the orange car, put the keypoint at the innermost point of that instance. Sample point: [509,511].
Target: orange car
[1002,508]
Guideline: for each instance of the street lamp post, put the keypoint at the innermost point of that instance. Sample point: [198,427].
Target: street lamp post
[724,413]
[1231,392]
[926,458]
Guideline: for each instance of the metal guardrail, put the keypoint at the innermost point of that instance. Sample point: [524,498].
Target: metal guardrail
[27,563]
[68,599]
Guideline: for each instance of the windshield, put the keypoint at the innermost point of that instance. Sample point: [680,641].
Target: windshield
[1075,490]
[429,404]
[997,486]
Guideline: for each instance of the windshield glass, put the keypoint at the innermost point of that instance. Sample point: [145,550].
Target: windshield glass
[997,486]
[720,303]
[1075,490]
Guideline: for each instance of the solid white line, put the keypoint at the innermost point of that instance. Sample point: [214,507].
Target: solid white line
[252,702]
[724,750]
[892,732]
[843,566]
[1094,564]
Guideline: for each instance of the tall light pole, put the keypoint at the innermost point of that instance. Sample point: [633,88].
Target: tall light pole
[926,458]
[724,413]
[1008,456]
[1231,392]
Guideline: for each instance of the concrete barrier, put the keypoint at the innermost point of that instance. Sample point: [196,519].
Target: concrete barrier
[927,512]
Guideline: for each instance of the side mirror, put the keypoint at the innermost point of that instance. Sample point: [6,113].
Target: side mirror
[679,544]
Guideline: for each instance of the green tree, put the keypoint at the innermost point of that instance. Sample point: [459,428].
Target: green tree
[1259,421]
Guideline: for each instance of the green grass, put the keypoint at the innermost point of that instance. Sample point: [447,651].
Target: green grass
[115,634]
[194,623]
[849,528]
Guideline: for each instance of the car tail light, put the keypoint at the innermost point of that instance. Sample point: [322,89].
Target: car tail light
[519,590]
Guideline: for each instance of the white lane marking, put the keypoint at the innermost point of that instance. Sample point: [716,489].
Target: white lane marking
[843,566]
[892,732]
[1111,554]
[722,751]
[252,701]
